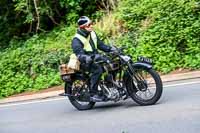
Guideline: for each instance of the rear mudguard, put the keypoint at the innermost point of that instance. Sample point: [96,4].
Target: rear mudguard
[75,76]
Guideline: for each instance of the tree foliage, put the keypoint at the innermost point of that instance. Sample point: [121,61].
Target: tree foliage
[27,17]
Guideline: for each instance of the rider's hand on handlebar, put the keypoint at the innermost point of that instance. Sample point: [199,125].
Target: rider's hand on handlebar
[113,49]
[99,57]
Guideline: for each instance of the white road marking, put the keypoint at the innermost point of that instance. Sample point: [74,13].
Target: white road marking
[57,99]
[173,85]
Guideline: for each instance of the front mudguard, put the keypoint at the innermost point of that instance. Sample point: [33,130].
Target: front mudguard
[136,65]
[141,65]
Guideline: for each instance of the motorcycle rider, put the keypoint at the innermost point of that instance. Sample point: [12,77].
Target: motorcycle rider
[85,45]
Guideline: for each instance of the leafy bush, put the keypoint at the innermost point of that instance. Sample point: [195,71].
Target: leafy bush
[167,31]
[34,65]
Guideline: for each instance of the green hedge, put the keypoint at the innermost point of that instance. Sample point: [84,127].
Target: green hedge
[165,30]
[33,64]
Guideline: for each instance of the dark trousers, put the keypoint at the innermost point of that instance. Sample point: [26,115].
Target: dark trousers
[96,71]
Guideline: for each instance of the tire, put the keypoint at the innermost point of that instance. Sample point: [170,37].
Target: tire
[74,101]
[137,89]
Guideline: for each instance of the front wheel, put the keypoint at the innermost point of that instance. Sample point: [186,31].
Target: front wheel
[145,86]
[78,95]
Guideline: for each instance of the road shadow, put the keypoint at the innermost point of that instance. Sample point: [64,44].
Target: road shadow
[109,105]
[115,105]
[129,103]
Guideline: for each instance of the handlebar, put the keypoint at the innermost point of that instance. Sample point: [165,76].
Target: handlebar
[114,53]
[118,51]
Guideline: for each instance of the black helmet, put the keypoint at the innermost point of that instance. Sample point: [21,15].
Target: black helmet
[83,21]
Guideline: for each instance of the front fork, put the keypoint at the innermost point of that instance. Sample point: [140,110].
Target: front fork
[138,80]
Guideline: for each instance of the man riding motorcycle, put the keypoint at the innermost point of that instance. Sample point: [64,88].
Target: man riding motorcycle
[85,45]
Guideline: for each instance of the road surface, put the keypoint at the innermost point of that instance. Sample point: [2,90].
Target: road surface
[178,111]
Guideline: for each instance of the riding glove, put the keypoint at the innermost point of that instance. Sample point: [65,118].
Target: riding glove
[88,60]
[99,57]
[113,49]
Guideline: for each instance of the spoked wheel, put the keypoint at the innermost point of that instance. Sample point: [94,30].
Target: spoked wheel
[145,87]
[79,95]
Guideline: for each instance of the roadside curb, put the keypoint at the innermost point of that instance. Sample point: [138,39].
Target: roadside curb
[180,76]
[36,96]
[51,94]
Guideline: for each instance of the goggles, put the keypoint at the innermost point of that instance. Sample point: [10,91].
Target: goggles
[86,25]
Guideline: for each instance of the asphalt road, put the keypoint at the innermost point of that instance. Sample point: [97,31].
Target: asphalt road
[178,111]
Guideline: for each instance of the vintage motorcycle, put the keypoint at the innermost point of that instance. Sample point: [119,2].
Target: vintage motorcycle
[122,79]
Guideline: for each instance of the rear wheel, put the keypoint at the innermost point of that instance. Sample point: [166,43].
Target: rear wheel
[147,89]
[79,95]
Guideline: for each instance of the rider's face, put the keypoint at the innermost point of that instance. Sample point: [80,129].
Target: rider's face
[89,27]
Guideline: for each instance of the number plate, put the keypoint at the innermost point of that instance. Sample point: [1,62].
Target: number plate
[145,60]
